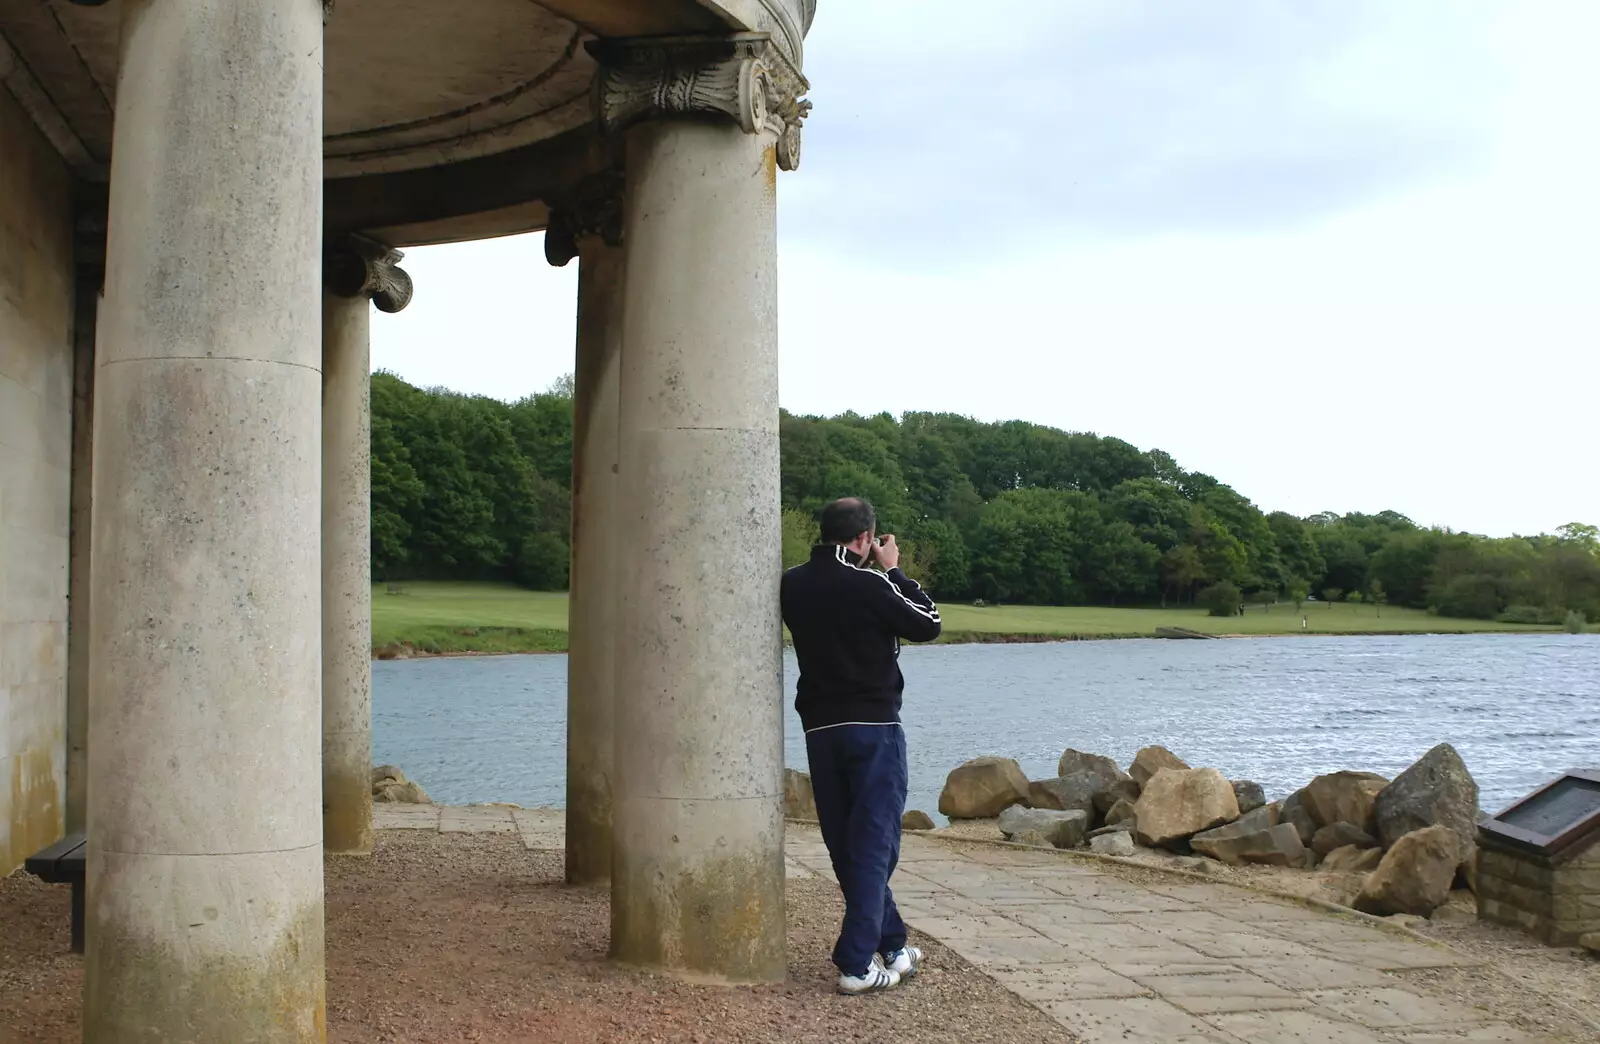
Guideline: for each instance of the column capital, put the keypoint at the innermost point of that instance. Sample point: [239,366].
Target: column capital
[357,266]
[744,77]
[594,208]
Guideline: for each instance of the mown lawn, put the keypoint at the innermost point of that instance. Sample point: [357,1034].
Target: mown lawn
[1319,618]
[439,617]
[481,617]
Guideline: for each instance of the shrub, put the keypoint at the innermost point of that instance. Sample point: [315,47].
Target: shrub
[1525,614]
[1575,622]
[1471,597]
[1222,599]
[543,562]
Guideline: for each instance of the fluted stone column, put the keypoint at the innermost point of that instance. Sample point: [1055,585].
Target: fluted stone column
[589,227]
[205,910]
[697,866]
[356,271]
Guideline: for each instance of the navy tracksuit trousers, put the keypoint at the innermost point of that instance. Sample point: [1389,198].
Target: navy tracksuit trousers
[858,777]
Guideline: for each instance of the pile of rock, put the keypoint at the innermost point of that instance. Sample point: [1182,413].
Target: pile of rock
[1411,837]
[390,784]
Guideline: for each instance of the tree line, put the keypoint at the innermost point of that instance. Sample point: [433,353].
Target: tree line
[467,487]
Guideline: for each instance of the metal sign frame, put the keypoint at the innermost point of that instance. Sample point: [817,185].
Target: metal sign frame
[1554,847]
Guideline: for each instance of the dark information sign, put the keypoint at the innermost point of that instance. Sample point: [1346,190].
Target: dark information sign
[1558,819]
[1557,810]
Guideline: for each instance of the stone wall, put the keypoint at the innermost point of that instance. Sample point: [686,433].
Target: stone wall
[1557,904]
[36,307]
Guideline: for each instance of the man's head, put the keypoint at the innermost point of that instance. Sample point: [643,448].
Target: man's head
[849,521]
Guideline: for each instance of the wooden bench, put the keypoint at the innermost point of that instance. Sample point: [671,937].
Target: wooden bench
[62,863]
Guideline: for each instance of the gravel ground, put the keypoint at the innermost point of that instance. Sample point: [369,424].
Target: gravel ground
[471,938]
[1529,972]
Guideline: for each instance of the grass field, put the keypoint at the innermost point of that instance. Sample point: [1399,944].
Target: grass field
[464,618]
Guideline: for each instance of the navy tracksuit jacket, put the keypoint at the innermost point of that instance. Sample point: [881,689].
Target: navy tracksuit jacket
[847,622]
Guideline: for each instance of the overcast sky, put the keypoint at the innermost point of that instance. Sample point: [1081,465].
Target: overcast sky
[1340,254]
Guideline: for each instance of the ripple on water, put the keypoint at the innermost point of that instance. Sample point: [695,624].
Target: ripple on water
[1276,711]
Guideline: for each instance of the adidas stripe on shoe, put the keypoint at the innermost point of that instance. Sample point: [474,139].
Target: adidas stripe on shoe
[874,980]
[904,961]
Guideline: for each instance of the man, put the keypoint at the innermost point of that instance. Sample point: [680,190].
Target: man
[848,620]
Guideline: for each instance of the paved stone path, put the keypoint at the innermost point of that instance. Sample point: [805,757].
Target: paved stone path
[1174,961]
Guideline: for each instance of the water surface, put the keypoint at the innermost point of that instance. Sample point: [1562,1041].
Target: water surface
[1519,708]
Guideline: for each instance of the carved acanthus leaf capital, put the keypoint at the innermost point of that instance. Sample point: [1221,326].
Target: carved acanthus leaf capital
[361,266]
[593,209]
[744,77]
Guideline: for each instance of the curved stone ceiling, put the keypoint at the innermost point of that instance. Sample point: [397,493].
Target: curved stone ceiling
[435,83]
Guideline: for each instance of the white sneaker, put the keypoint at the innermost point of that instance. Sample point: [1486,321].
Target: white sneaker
[904,961]
[875,979]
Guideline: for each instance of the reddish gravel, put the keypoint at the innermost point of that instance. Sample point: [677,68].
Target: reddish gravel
[470,938]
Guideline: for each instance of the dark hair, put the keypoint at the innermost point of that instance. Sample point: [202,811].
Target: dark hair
[847,518]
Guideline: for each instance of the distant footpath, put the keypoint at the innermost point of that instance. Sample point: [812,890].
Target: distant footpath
[463,619]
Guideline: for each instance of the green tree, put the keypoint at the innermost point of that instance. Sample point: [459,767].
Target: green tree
[1222,598]
[800,534]
[1181,569]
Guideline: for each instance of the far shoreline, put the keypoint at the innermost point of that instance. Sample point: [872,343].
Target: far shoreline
[402,649]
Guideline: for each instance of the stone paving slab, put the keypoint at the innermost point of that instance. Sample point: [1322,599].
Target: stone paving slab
[1389,1007]
[1294,1027]
[476,819]
[405,817]
[1174,961]
[542,829]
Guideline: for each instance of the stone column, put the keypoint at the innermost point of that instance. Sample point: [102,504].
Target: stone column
[355,271]
[588,226]
[697,865]
[205,915]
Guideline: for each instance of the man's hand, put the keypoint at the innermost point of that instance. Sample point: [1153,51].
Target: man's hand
[887,552]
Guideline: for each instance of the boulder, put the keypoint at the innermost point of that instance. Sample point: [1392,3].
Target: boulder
[1122,790]
[1293,810]
[1116,843]
[1067,792]
[798,801]
[406,793]
[1151,760]
[382,774]
[1352,860]
[1230,842]
[1414,876]
[916,820]
[1061,829]
[1176,804]
[1249,795]
[1436,791]
[1343,797]
[1590,942]
[1121,814]
[1074,761]
[1340,835]
[1279,846]
[983,788]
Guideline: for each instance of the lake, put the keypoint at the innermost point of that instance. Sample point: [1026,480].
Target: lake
[1519,708]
